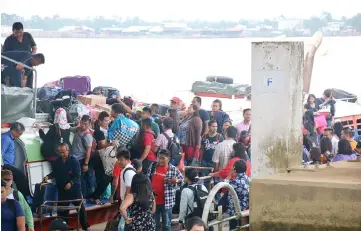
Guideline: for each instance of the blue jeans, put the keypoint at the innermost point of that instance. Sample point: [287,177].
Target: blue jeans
[166,218]
[87,179]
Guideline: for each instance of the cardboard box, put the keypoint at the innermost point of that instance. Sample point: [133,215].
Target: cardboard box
[104,107]
[92,100]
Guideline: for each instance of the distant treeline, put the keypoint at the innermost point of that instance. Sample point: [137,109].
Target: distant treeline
[53,23]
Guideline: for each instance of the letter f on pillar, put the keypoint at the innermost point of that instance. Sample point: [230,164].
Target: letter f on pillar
[269,81]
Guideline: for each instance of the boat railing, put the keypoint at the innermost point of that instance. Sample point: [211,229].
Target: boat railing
[54,204]
[239,215]
[35,77]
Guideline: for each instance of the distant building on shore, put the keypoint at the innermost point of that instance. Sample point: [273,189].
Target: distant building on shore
[290,24]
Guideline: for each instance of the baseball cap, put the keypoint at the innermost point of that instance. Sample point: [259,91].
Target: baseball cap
[176,100]
[59,224]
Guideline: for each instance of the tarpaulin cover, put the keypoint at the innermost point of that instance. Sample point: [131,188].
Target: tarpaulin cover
[220,88]
[16,103]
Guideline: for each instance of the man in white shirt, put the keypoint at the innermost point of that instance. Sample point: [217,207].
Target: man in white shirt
[127,173]
[224,150]
[328,132]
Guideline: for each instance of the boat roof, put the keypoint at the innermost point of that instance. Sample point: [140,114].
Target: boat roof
[347,109]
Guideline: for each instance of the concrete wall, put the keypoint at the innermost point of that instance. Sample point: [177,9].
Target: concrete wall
[277,74]
[326,200]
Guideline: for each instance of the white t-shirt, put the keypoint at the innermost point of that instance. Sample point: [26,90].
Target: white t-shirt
[128,180]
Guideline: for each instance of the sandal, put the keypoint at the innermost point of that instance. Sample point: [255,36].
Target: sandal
[96,201]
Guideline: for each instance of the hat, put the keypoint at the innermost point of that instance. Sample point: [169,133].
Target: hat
[176,100]
[59,224]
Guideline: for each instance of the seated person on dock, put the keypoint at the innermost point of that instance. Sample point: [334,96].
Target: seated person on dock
[348,134]
[345,151]
[66,172]
[15,74]
[8,155]
[12,214]
[7,176]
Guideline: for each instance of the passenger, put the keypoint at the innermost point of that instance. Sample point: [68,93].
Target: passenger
[239,154]
[12,214]
[81,150]
[101,137]
[245,139]
[218,115]
[345,151]
[163,139]
[146,143]
[164,178]
[7,176]
[172,113]
[246,123]
[140,205]
[326,150]
[156,118]
[240,183]
[101,130]
[59,132]
[8,157]
[66,173]
[58,224]
[226,124]
[203,114]
[115,187]
[329,132]
[147,114]
[311,104]
[21,41]
[176,103]
[138,166]
[195,224]
[328,103]
[209,144]
[187,196]
[16,74]
[338,129]
[348,134]
[127,173]
[224,150]
[190,136]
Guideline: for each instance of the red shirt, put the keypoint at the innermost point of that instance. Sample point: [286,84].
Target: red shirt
[149,140]
[116,173]
[158,184]
[225,172]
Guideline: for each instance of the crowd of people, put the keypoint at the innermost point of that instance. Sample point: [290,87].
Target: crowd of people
[324,138]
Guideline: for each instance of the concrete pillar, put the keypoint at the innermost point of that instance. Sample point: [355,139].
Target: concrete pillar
[277,82]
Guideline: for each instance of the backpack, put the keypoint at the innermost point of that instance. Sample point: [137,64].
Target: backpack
[173,148]
[200,198]
[94,143]
[112,225]
[126,169]
[11,204]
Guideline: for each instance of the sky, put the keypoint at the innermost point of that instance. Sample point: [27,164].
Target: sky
[157,10]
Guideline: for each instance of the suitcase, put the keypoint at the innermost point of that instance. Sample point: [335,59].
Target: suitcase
[43,192]
[80,84]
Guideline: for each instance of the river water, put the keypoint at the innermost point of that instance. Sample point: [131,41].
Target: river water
[154,69]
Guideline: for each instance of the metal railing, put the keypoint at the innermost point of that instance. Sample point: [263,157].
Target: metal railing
[46,206]
[237,208]
[35,77]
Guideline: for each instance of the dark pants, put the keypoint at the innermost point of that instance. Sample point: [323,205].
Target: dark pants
[166,218]
[73,194]
[102,179]
[20,179]
[88,183]
[233,224]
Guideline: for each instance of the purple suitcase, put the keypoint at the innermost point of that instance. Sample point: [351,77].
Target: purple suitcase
[80,84]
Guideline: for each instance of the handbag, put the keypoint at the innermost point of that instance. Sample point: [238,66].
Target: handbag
[109,157]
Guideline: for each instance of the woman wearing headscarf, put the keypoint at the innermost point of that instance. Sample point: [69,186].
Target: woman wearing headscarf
[58,133]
